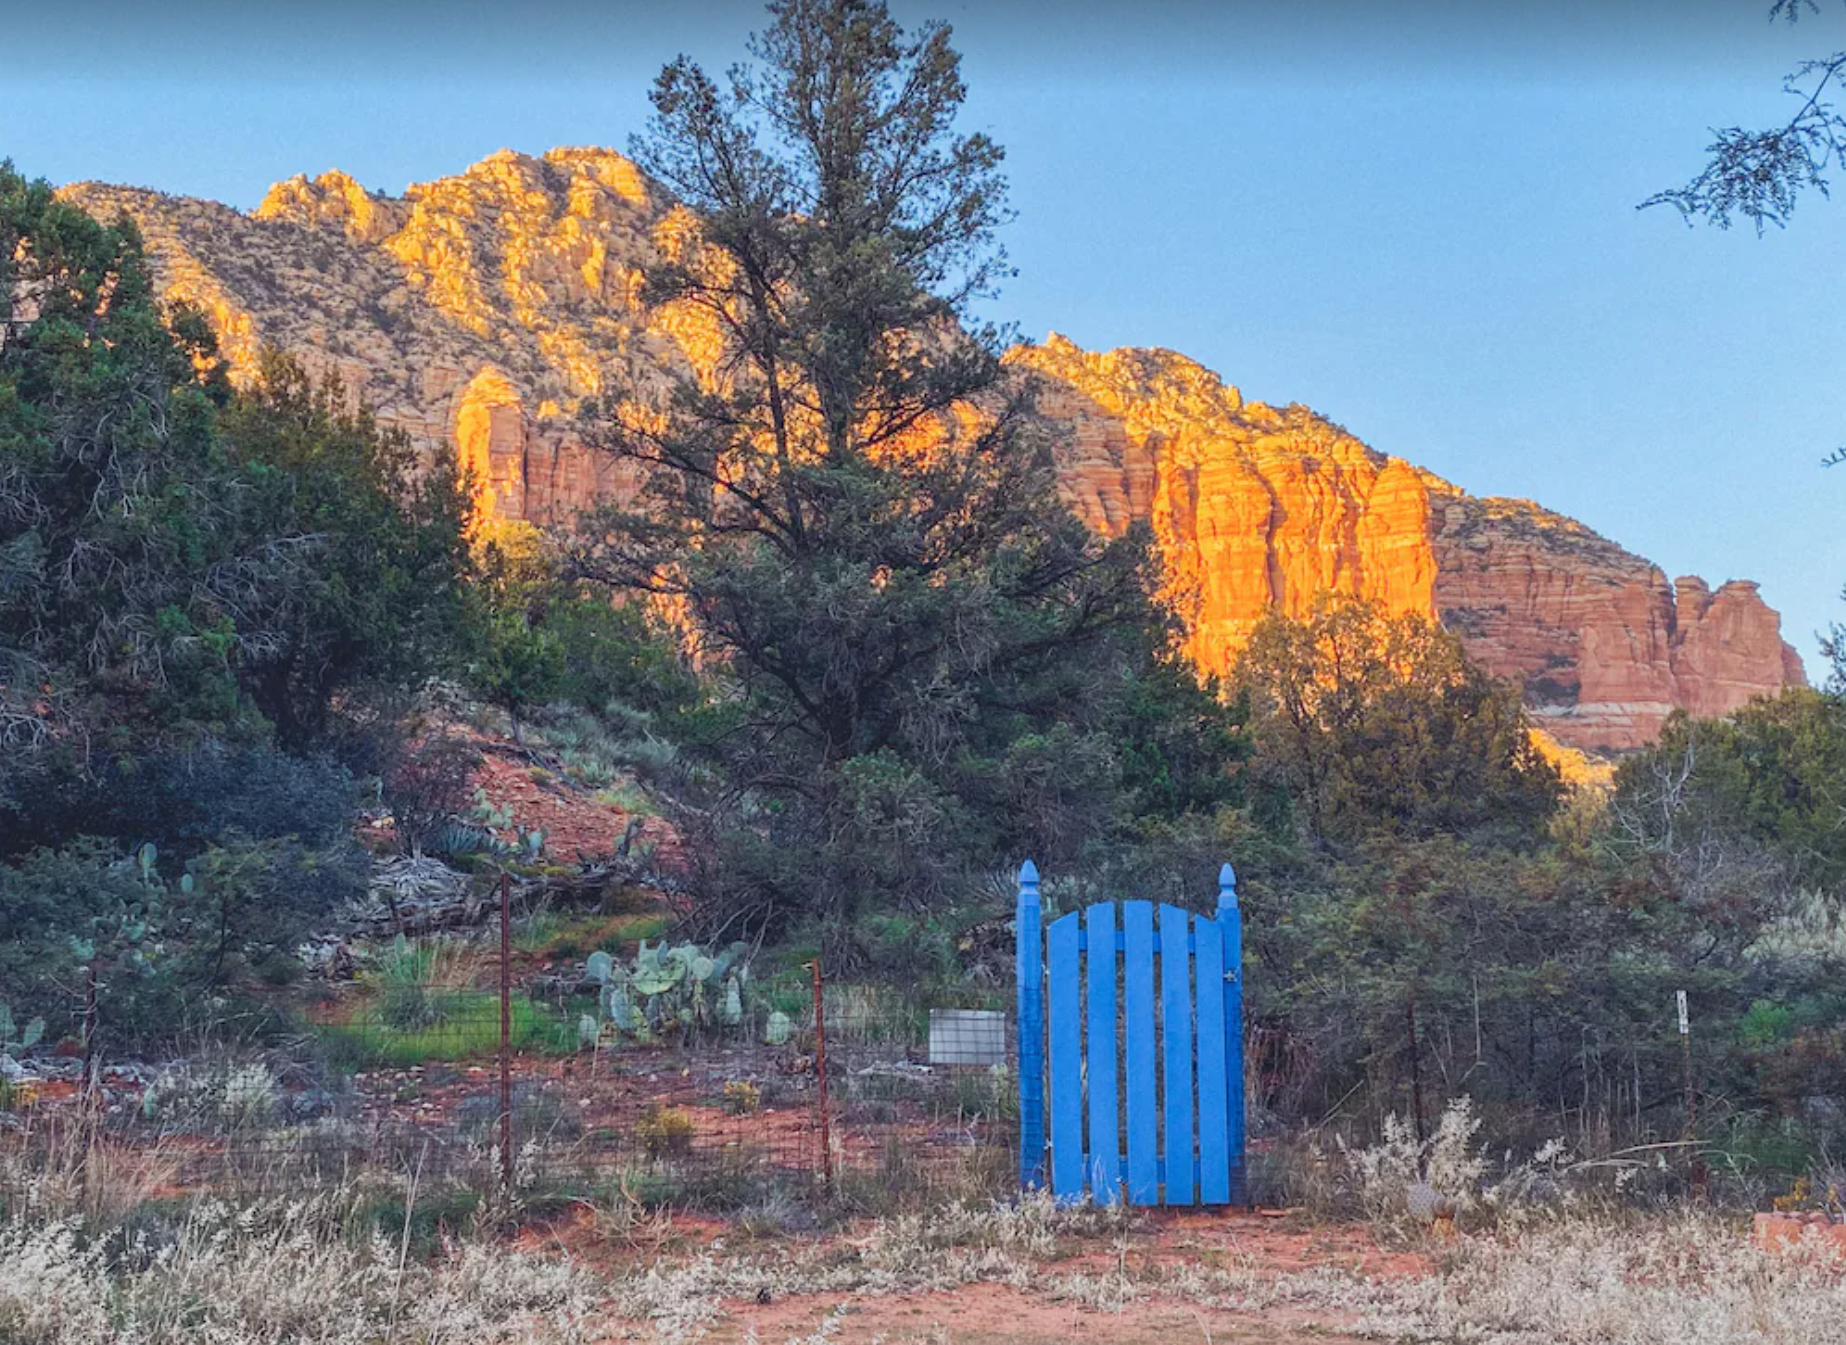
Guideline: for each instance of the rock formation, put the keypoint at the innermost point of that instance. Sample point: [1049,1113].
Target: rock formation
[1256,508]
[483,311]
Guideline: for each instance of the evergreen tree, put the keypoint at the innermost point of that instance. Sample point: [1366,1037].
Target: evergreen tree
[182,568]
[850,504]
[115,496]
[356,554]
[1755,796]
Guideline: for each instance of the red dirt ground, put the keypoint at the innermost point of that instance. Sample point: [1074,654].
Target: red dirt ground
[576,826]
[988,1313]
[997,1314]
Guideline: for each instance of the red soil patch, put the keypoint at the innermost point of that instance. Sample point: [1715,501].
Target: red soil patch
[997,1314]
[987,1314]
[607,1096]
[576,825]
[991,1313]
[1239,1240]
[1794,1232]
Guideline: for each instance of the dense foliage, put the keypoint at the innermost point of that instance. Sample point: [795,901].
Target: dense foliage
[377,604]
[1535,966]
[179,565]
[1374,722]
[212,606]
[118,572]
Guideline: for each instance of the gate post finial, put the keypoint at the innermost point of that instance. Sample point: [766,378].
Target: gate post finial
[1029,968]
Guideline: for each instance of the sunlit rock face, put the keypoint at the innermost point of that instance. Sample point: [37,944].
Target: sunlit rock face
[1258,508]
[478,311]
[1605,647]
[1255,508]
[485,310]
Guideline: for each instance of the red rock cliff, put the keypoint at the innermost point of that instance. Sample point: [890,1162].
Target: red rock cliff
[481,310]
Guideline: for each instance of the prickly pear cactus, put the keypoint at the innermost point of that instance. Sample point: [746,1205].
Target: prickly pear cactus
[13,1039]
[669,988]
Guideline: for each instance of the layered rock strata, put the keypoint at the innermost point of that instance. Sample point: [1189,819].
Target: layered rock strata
[484,310]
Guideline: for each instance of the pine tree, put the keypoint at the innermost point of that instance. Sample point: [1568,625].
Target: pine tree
[851,506]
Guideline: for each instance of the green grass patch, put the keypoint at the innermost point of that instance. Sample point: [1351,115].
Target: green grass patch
[628,797]
[573,938]
[537,932]
[426,1226]
[468,1028]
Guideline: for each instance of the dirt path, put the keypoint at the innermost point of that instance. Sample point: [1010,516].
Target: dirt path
[990,1314]
[1140,1288]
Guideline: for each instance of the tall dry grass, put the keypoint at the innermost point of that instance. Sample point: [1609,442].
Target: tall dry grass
[98,1247]
[98,1251]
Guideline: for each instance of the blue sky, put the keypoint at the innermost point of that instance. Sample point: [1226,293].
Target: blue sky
[1418,219]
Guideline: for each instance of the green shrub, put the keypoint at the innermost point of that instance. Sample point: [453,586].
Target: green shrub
[170,941]
[428,786]
[664,1130]
[184,801]
[742,1098]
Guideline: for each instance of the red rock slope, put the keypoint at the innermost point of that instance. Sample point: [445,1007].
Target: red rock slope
[482,308]
[1260,507]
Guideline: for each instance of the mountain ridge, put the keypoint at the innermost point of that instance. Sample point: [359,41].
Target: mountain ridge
[480,309]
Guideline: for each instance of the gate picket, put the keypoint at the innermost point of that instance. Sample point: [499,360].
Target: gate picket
[1029,969]
[1066,1058]
[1230,923]
[1105,1166]
[1176,1032]
[1180,1058]
[1138,986]
[1214,1095]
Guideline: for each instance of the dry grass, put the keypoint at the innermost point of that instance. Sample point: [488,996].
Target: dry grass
[1685,1279]
[272,1273]
[86,1264]
[1688,1279]
[65,1166]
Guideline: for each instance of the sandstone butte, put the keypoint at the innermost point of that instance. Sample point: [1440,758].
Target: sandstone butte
[482,309]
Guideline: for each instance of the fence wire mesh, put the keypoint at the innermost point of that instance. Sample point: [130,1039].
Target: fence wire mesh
[916,1102]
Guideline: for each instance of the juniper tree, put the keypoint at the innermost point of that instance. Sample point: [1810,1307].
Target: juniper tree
[1378,724]
[850,504]
[182,566]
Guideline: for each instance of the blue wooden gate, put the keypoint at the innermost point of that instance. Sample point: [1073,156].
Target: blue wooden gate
[1162,1118]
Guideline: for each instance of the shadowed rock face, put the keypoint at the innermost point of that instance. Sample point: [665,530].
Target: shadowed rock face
[484,310]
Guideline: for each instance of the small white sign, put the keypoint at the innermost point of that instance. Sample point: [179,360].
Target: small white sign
[1685,1022]
[967,1037]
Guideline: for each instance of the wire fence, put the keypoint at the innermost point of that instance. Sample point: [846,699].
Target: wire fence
[500,1084]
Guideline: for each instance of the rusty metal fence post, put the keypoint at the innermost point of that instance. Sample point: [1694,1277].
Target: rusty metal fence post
[506,1033]
[90,1077]
[820,1074]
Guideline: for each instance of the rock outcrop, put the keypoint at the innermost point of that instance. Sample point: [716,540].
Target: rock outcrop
[482,311]
[1605,647]
[1256,508]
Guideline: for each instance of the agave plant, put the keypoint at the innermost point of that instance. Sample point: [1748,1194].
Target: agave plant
[458,840]
[667,989]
